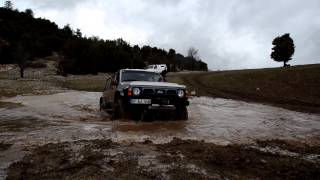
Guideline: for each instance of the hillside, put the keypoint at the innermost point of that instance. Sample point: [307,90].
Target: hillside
[26,38]
[296,87]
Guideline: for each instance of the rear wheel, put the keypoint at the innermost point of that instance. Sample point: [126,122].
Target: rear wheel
[101,105]
[182,113]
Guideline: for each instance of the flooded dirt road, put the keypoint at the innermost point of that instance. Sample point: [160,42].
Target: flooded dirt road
[31,121]
[75,115]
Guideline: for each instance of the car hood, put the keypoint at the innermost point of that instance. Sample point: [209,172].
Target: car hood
[153,84]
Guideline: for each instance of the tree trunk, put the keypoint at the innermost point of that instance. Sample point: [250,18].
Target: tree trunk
[284,63]
[21,72]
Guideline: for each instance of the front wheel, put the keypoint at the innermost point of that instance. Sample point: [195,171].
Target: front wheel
[164,73]
[118,110]
[182,113]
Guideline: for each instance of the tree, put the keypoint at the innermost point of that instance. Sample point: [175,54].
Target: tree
[21,56]
[67,30]
[20,43]
[29,12]
[78,33]
[8,5]
[171,53]
[3,43]
[192,54]
[283,49]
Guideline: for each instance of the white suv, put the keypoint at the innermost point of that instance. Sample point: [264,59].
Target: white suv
[158,68]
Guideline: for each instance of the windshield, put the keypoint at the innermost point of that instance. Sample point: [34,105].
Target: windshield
[141,76]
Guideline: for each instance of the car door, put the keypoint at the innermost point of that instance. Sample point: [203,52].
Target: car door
[106,92]
[110,90]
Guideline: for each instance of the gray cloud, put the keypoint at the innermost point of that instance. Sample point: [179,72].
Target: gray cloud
[51,4]
[229,34]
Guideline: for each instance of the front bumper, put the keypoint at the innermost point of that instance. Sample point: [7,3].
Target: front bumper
[161,107]
[134,104]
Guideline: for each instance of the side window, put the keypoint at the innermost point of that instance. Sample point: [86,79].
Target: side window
[155,67]
[113,81]
[108,84]
[118,78]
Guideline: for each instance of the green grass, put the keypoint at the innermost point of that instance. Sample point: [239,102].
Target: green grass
[296,87]
[84,83]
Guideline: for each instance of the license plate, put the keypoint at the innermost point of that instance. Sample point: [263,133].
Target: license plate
[140,101]
[164,102]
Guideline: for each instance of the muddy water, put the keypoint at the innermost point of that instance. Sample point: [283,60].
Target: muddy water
[74,115]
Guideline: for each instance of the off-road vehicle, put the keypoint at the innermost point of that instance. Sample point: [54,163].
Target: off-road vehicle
[158,68]
[134,92]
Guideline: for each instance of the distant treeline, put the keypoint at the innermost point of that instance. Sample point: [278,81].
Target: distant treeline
[25,38]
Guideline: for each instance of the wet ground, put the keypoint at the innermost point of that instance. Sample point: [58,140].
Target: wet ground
[28,122]
[179,159]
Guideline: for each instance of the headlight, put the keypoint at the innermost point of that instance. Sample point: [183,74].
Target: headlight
[180,93]
[136,91]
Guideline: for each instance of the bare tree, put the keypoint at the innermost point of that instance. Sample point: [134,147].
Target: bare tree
[193,55]
[193,52]
[8,5]
[21,57]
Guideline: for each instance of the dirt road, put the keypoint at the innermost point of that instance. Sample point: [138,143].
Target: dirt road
[28,122]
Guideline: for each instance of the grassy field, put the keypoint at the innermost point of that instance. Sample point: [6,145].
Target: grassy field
[44,81]
[296,87]
[92,83]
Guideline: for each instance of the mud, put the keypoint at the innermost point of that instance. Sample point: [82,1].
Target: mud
[291,146]
[8,105]
[179,159]
[29,122]
[4,146]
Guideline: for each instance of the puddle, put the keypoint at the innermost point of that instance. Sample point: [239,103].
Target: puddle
[238,121]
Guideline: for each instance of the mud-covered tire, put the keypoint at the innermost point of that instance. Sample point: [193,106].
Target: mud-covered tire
[101,105]
[118,110]
[164,73]
[137,115]
[182,113]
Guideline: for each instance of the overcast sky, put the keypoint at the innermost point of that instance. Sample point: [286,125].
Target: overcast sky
[230,34]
